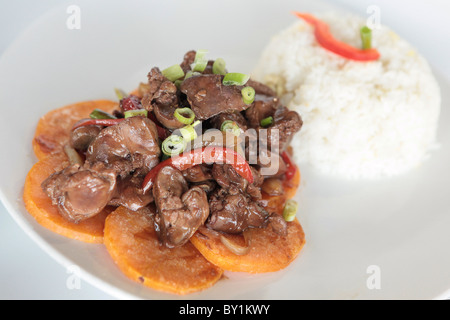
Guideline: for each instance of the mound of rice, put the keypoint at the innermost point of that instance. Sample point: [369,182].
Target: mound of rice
[361,119]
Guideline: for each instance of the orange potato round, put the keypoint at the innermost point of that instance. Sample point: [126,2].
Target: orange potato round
[53,129]
[40,206]
[268,251]
[132,242]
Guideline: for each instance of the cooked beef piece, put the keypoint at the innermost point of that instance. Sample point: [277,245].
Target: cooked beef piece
[263,107]
[126,146]
[198,173]
[286,124]
[268,163]
[208,185]
[180,210]
[80,193]
[261,88]
[227,177]
[237,117]
[209,97]
[188,59]
[81,137]
[233,213]
[278,224]
[129,193]
[161,98]
[155,80]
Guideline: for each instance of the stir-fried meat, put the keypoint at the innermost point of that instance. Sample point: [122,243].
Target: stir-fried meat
[161,97]
[233,213]
[188,59]
[261,88]
[80,193]
[286,123]
[119,156]
[198,173]
[81,137]
[131,144]
[227,177]
[209,97]
[236,117]
[180,210]
[263,107]
[129,193]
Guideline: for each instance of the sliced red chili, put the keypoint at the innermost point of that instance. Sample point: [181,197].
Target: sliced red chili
[290,165]
[327,41]
[199,156]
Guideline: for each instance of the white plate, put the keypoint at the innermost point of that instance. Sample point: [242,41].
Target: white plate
[398,226]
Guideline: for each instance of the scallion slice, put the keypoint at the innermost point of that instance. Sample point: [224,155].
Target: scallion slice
[290,210]
[231,126]
[120,93]
[173,72]
[219,67]
[235,78]
[184,115]
[200,61]
[366,37]
[266,121]
[173,145]
[188,132]
[248,95]
[100,114]
[134,113]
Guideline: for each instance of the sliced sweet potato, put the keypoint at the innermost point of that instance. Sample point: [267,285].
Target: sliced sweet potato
[53,129]
[133,244]
[40,206]
[268,251]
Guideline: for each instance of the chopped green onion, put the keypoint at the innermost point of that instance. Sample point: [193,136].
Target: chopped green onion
[266,121]
[188,132]
[200,61]
[184,115]
[100,114]
[219,67]
[120,94]
[173,145]
[290,210]
[134,113]
[248,95]
[173,73]
[178,83]
[366,37]
[234,78]
[230,125]
[191,74]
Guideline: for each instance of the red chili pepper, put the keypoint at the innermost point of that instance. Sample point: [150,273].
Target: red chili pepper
[199,156]
[291,167]
[162,133]
[327,41]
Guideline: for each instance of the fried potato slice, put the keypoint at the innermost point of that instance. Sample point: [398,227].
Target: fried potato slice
[267,252]
[40,206]
[53,129]
[132,242]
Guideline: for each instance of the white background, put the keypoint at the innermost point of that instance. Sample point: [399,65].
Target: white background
[26,271]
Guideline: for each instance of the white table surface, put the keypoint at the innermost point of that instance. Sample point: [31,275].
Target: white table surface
[26,271]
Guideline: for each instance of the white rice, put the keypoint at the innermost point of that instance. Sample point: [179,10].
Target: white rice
[361,119]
